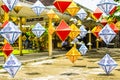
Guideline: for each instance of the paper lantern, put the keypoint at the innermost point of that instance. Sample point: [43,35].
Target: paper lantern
[96,30]
[103,22]
[73,9]
[73,54]
[107,34]
[83,31]
[38,30]
[10,32]
[106,5]
[113,10]
[74,32]
[5,8]
[62,5]
[7,49]
[38,7]
[10,3]
[114,28]
[107,64]
[82,14]
[63,30]
[12,65]
[98,13]
[51,14]
[83,49]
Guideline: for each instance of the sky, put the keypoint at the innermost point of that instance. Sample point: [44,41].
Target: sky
[90,4]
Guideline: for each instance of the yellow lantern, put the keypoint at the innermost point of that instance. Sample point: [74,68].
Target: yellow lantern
[73,54]
[74,32]
[73,9]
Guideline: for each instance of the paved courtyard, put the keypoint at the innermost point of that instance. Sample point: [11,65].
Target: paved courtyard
[60,68]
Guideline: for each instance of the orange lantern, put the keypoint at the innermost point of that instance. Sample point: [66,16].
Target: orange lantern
[96,30]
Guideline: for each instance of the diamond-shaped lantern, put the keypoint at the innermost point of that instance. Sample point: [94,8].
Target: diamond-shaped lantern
[38,30]
[114,28]
[12,65]
[82,14]
[10,3]
[103,22]
[74,32]
[83,31]
[10,32]
[107,63]
[63,30]
[5,8]
[38,7]
[106,5]
[7,49]
[73,9]
[98,13]
[83,49]
[73,54]
[62,5]
[96,30]
[107,34]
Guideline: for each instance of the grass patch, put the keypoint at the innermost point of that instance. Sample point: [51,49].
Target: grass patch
[16,52]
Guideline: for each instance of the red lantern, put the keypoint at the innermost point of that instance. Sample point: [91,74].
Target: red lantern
[62,5]
[113,10]
[5,8]
[114,28]
[63,30]
[104,22]
[7,49]
[97,13]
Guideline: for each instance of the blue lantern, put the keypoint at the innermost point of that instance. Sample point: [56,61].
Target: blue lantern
[82,14]
[12,65]
[10,32]
[10,3]
[38,7]
[107,63]
[106,5]
[38,30]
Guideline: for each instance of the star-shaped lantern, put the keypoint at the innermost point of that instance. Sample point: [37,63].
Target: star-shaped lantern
[62,5]
[74,32]
[98,13]
[73,9]
[83,31]
[63,30]
[10,32]
[10,3]
[73,54]
[12,65]
[82,14]
[7,49]
[96,30]
[38,7]
[107,34]
[107,63]
[38,30]
[106,5]
[83,49]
